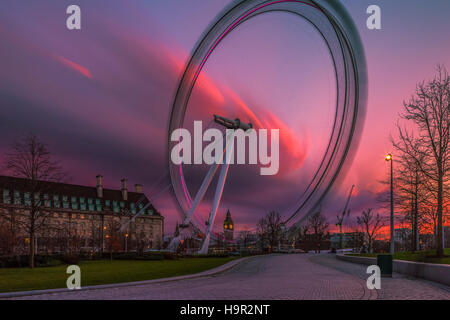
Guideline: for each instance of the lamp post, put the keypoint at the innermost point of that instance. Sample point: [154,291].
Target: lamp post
[392,240]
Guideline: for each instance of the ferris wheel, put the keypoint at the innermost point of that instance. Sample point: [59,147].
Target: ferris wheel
[335,26]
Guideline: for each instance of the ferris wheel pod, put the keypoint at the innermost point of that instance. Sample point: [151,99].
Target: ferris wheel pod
[339,33]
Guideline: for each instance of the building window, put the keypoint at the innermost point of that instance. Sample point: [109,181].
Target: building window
[17,198]
[107,203]
[91,207]
[73,199]
[122,204]
[99,207]
[6,197]
[37,199]
[27,199]
[82,199]
[83,206]
[74,206]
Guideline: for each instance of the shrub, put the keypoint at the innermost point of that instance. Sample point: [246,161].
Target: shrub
[71,258]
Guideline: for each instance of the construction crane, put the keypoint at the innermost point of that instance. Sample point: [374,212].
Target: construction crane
[341,216]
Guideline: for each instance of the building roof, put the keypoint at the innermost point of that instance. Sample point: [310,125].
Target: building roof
[72,190]
[228,219]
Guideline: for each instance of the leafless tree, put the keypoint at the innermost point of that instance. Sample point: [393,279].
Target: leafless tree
[270,229]
[370,224]
[429,110]
[317,225]
[244,238]
[412,192]
[30,159]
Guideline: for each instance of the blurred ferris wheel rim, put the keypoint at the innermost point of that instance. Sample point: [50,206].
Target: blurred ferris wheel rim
[337,29]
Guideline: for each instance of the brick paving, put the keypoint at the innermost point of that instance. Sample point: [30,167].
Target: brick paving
[293,276]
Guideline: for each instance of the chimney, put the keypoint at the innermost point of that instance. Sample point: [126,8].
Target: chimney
[138,188]
[124,189]
[100,186]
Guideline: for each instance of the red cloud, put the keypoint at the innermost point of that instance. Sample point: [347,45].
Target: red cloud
[74,66]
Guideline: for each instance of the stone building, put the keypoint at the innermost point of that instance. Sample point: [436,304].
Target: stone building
[74,217]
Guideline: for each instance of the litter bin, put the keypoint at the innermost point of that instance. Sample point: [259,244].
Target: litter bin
[384,261]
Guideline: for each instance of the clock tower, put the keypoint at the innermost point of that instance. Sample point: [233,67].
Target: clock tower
[228,226]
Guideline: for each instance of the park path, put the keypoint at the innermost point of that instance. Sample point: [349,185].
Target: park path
[289,276]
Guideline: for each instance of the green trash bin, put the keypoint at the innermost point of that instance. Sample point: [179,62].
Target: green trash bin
[384,261]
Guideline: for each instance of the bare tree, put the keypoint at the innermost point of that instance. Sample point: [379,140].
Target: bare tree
[429,110]
[371,224]
[244,238]
[317,224]
[30,159]
[412,193]
[270,229]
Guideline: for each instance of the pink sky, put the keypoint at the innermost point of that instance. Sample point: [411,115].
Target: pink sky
[101,97]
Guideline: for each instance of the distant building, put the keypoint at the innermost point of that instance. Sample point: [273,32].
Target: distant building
[228,227]
[349,240]
[402,238]
[77,216]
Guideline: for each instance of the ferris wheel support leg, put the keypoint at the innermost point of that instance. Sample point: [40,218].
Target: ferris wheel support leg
[216,202]
[201,192]
[218,194]
[198,198]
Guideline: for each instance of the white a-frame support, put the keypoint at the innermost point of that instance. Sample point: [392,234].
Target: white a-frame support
[224,161]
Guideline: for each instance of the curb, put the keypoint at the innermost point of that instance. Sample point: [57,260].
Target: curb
[220,269]
[439,273]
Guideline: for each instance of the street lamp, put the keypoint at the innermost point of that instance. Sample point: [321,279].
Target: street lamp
[389,158]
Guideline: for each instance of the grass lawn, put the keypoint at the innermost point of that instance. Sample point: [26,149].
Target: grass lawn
[419,256]
[102,272]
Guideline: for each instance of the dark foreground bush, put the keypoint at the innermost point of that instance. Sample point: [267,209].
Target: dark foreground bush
[21,261]
[146,256]
[71,258]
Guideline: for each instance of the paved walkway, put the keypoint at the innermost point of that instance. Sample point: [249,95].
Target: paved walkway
[293,276]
